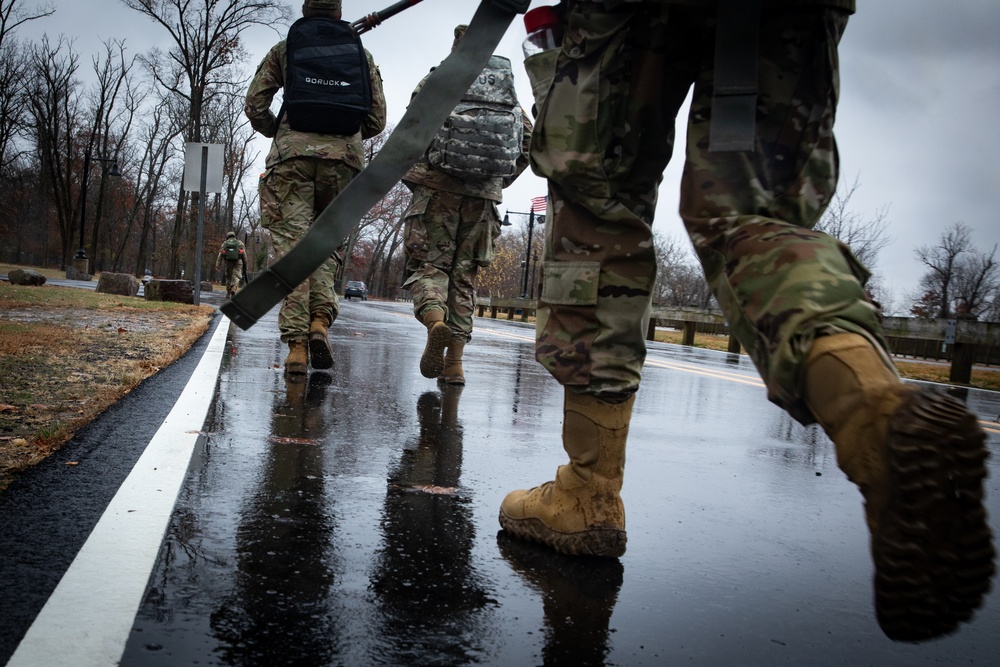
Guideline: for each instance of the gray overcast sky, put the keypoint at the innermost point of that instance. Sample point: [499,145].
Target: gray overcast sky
[917,122]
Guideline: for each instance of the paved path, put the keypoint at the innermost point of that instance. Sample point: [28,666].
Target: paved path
[351,519]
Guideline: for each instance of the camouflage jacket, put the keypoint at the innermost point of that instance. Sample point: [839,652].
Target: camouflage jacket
[491,189]
[287,142]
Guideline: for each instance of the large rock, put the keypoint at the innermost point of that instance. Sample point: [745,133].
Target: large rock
[73,273]
[124,284]
[181,291]
[25,277]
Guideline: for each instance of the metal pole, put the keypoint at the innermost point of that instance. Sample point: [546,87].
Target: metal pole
[81,253]
[527,253]
[201,224]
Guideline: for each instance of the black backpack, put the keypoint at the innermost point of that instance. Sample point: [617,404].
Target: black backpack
[327,82]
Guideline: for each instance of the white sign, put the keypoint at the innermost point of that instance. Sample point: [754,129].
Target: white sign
[949,332]
[192,167]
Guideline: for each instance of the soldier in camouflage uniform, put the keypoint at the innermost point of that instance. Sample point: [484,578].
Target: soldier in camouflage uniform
[794,297]
[235,268]
[450,230]
[304,172]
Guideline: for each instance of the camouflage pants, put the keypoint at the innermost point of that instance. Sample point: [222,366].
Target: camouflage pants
[234,274]
[604,135]
[292,194]
[447,238]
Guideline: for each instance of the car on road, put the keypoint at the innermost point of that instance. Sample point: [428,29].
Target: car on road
[355,288]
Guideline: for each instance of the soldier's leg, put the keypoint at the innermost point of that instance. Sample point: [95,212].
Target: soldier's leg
[292,183]
[795,298]
[750,215]
[431,226]
[232,276]
[478,226]
[603,137]
[429,236]
[331,176]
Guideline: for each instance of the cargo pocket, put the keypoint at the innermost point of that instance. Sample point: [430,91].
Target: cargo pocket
[414,229]
[541,69]
[487,230]
[570,283]
[589,89]
[270,208]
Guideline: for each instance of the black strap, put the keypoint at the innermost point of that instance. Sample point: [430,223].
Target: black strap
[734,98]
[425,114]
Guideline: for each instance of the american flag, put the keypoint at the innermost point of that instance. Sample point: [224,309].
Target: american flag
[538,204]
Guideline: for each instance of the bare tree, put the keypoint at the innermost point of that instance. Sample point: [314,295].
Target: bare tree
[56,117]
[977,279]
[14,67]
[226,124]
[680,280]
[206,52]
[155,138]
[14,14]
[502,278]
[114,106]
[385,235]
[942,261]
[866,237]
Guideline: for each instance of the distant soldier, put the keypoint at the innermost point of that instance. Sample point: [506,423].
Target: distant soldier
[330,105]
[452,223]
[234,254]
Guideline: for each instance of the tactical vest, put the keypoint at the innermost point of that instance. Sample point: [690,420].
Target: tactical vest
[327,81]
[482,136]
[232,250]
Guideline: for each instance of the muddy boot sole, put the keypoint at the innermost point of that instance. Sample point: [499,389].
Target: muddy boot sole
[934,551]
[599,542]
[320,352]
[432,360]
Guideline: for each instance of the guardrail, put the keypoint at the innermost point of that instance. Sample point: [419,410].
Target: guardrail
[963,343]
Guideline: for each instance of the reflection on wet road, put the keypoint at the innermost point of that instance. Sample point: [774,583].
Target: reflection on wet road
[351,520]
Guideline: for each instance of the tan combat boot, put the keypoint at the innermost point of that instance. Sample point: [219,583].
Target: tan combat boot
[452,372]
[298,357]
[918,458]
[320,352]
[438,337]
[581,512]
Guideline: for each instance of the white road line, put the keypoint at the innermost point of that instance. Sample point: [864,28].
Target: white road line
[89,616]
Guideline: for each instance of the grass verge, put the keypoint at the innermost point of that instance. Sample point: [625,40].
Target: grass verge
[67,354]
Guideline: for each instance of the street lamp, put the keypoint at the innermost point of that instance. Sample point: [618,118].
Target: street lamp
[527,250]
[80,262]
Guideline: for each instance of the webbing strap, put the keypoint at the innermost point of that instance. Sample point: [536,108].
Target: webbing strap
[426,113]
[734,98]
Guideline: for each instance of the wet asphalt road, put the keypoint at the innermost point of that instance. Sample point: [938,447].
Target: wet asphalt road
[351,520]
